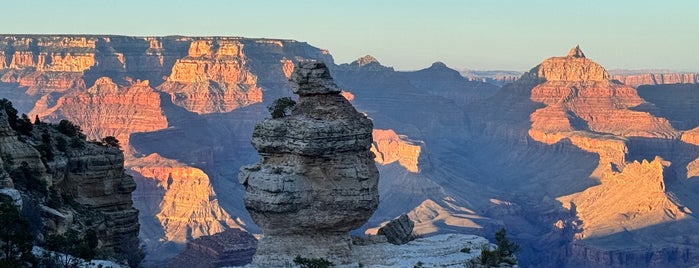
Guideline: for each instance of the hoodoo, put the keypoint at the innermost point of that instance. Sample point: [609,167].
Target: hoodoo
[316,179]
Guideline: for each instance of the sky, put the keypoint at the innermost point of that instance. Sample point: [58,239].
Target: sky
[405,34]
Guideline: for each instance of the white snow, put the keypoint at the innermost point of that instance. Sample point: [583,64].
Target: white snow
[434,251]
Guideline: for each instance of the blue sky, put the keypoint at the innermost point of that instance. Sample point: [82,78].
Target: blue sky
[478,34]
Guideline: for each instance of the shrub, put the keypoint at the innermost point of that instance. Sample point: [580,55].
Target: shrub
[77,143]
[16,236]
[111,141]
[313,262]
[69,129]
[281,107]
[61,144]
[24,125]
[71,243]
[10,111]
[503,253]
[45,151]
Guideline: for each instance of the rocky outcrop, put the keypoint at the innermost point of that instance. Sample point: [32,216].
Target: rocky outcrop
[398,231]
[316,179]
[188,207]
[445,250]
[640,79]
[213,78]
[629,200]
[81,187]
[579,96]
[389,147]
[107,109]
[232,247]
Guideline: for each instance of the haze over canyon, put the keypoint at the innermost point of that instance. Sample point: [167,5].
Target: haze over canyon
[583,167]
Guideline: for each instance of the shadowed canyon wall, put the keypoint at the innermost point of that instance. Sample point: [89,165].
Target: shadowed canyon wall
[539,156]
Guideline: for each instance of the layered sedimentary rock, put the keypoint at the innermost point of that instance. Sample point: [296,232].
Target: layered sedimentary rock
[628,200]
[213,78]
[389,147]
[107,109]
[316,179]
[82,187]
[188,207]
[579,96]
[232,247]
[641,79]
[398,231]
[585,107]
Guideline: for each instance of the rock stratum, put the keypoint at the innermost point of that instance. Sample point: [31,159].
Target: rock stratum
[316,180]
[539,156]
[62,183]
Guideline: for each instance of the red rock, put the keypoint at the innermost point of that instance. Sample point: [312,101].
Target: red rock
[107,109]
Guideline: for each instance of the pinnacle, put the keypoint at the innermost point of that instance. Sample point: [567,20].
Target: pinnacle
[576,52]
[366,60]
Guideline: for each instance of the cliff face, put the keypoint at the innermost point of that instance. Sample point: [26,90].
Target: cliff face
[212,78]
[107,109]
[81,187]
[316,180]
[636,80]
[596,114]
[388,147]
[188,207]
[579,96]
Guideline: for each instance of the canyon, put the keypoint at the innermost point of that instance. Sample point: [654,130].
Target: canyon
[569,158]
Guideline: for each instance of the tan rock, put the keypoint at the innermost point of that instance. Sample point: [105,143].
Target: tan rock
[316,179]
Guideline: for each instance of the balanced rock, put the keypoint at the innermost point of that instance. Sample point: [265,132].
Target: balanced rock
[316,179]
[398,231]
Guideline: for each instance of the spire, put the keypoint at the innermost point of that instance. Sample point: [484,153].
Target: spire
[576,52]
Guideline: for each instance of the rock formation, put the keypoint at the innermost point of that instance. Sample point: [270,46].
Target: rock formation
[188,207]
[66,183]
[652,78]
[232,247]
[580,96]
[107,109]
[389,147]
[213,78]
[398,231]
[316,179]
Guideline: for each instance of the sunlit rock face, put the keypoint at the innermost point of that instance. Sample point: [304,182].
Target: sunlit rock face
[107,109]
[316,179]
[650,78]
[579,96]
[213,78]
[389,147]
[189,208]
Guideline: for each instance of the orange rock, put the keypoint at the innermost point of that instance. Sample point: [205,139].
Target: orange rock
[107,109]
[579,96]
[213,79]
[348,95]
[629,200]
[389,147]
[287,67]
[189,207]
